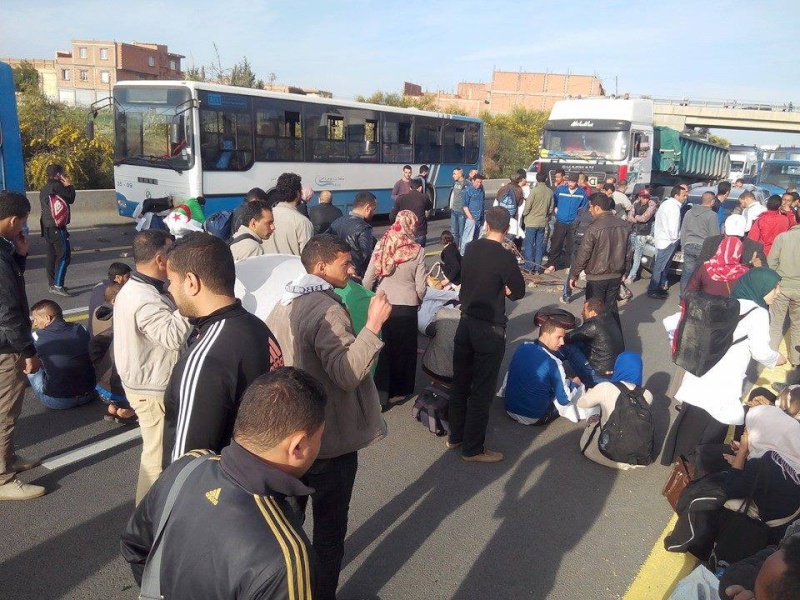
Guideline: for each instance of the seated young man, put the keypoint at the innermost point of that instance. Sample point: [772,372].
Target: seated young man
[67,377]
[450,258]
[592,348]
[117,273]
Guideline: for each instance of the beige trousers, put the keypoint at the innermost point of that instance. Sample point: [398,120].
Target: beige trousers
[149,407]
[12,391]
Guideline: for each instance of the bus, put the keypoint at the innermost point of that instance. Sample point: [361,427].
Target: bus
[12,171]
[183,139]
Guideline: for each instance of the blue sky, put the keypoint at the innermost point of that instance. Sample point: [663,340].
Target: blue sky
[699,49]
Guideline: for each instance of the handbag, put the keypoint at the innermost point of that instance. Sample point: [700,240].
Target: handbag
[434,276]
[682,473]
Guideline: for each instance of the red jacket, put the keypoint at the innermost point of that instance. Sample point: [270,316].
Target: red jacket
[767,227]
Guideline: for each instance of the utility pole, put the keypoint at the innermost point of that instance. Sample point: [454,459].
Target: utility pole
[616,85]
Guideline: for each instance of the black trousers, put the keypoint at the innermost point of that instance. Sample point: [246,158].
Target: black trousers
[693,426]
[606,290]
[59,254]
[560,245]
[332,480]
[396,371]
[477,356]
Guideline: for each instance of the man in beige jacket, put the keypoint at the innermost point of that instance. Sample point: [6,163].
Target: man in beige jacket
[149,332]
[258,226]
[292,229]
[315,333]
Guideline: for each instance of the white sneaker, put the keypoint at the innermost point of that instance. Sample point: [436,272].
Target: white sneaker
[16,490]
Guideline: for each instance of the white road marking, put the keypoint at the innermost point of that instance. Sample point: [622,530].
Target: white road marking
[75,311]
[73,456]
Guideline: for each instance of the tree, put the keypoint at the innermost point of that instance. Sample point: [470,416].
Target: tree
[195,74]
[240,74]
[511,141]
[26,77]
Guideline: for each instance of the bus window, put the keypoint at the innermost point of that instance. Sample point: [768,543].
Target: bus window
[278,131]
[362,136]
[226,134]
[427,140]
[325,134]
[472,143]
[396,138]
[454,142]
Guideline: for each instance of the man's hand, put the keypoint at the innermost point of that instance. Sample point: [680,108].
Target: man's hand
[755,261]
[29,365]
[573,283]
[737,592]
[508,291]
[22,244]
[378,312]
[781,360]
[66,180]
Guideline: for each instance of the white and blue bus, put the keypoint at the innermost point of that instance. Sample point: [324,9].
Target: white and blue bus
[12,171]
[187,139]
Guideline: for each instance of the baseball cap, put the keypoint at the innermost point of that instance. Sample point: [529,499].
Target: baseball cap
[572,177]
[644,193]
[734,225]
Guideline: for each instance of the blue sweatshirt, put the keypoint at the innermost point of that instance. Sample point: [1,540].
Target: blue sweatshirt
[63,349]
[474,201]
[535,379]
[568,203]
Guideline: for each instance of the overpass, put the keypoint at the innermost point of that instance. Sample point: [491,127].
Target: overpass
[680,114]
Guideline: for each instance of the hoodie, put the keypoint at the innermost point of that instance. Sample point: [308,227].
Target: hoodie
[699,223]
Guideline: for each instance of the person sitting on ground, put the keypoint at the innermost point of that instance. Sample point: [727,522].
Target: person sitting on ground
[599,337]
[324,213]
[769,224]
[117,273]
[355,229]
[628,372]
[67,377]
[248,240]
[718,275]
[451,259]
[101,353]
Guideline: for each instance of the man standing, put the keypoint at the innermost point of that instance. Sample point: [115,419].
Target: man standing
[699,224]
[474,207]
[559,178]
[228,349]
[259,225]
[535,216]
[784,257]
[640,215]
[59,252]
[356,230]
[149,332]
[424,170]
[751,209]
[292,230]
[419,203]
[457,217]
[489,275]
[666,233]
[403,185]
[622,203]
[605,254]
[17,353]
[723,191]
[569,199]
[237,218]
[770,224]
[324,213]
[316,334]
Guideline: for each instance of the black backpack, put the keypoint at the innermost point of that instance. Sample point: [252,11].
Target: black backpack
[705,331]
[627,436]
[431,408]
[219,224]
[509,202]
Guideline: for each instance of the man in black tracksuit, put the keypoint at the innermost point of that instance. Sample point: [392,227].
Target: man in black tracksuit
[228,349]
[59,252]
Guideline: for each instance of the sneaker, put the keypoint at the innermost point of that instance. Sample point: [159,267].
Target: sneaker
[487,456]
[20,464]
[659,295]
[564,299]
[16,490]
[60,290]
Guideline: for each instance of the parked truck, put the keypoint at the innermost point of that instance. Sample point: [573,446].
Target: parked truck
[607,136]
[744,163]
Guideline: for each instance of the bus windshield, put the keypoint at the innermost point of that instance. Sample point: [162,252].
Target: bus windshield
[608,145]
[152,127]
[784,176]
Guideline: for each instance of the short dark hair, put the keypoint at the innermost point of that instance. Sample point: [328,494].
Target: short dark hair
[612,178]
[416,182]
[795,195]
[54,170]
[49,306]
[256,193]
[676,190]
[498,219]
[14,204]
[252,210]
[446,238]
[364,199]
[787,587]
[595,305]
[549,326]
[541,176]
[111,291]
[278,404]
[747,195]
[208,257]
[288,186]
[707,197]
[723,187]
[559,172]
[407,167]
[522,173]
[601,201]
[609,187]
[323,248]
[774,202]
[424,168]
[149,243]
[117,269]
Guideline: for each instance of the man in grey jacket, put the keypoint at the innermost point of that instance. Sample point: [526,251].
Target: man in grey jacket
[699,223]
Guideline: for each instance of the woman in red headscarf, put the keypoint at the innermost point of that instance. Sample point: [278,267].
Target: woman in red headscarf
[718,274]
[397,267]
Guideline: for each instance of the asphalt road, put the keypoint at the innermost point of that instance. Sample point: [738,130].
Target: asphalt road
[544,523]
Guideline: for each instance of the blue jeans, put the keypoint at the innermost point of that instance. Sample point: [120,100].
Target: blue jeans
[637,242]
[471,230]
[457,218]
[533,246]
[111,398]
[575,355]
[660,266]
[690,255]
[37,384]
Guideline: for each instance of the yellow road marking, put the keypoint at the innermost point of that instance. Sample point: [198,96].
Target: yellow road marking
[76,318]
[88,251]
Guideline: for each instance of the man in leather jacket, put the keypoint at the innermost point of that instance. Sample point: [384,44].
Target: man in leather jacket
[355,229]
[592,348]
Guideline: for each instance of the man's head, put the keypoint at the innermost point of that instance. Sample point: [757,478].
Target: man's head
[55,171]
[458,174]
[643,196]
[119,272]
[608,189]
[497,221]
[257,217]
[679,193]
[600,203]
[110,293]
[708,198]
[256,194]
[592,308]
[407,172]
[45,312]
[14,211]
[306,193]
[582,179]
[289,187]
[723,189]
[622,185]
[559,175]
[365,205]
[201,273]
[325,197]
[787,200]
[779,577]
[551,336]
[446,238]
[612,180]
[416,184]
[541,177]
[477,180]
[424,170]
[774,202]
[572,181]
[328,257]
[747,199]
[281,419]
[739,183]
[150,252]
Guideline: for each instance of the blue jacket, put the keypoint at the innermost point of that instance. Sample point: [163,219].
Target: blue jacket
[474,201]
[569,203]
[63,349]
[535,379]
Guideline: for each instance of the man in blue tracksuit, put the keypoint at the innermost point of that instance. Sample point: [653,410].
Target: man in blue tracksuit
[569,199]
[474,198]
[57,238]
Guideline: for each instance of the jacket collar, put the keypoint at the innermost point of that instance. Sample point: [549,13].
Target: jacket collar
[245,230]
[218,315]
[156,283]
[6,246]
[257,476]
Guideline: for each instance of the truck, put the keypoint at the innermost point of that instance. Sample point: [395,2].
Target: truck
[780,170]
[604,137]
[744,163]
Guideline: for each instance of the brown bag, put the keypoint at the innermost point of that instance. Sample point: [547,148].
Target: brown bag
[683,472]
[434,277]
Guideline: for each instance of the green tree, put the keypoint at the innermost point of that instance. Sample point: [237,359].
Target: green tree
[242,75]
[26,77]
[511,141]
[195,74]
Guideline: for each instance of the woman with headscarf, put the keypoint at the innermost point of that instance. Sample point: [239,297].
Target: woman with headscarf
[397,267]
[628,372]
[718,275]
[709,404]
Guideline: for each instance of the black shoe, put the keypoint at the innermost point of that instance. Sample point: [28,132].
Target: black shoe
[60,290]
[659,295]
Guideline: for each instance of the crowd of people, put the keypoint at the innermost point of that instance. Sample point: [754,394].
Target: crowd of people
[260,416]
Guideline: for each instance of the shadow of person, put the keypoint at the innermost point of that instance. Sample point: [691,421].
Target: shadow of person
[657,384]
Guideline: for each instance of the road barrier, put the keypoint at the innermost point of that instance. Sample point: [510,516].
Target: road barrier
[92,208]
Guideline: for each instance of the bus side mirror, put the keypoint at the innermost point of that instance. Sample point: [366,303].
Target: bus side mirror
[90,130]
[174,134]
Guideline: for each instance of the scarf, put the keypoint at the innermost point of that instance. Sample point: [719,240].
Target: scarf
[397,245]
[770,430]
[755,284]
[304,284]
[726,264]
[628,368]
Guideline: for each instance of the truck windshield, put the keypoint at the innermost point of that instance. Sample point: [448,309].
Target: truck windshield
[152,127]
[784,176]
[608,145]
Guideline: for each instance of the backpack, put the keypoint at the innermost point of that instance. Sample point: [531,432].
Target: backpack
[59,210]
[627,436]
[219,224]
[705,331]
[431,408]
[509,202]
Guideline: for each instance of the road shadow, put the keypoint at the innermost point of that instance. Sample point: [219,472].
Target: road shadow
[658,384]
[42,424]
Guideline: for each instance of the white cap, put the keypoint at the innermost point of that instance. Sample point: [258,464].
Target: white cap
[734,225]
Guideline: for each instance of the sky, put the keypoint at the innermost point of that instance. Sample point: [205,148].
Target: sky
[709,49]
